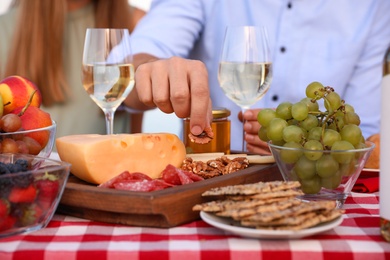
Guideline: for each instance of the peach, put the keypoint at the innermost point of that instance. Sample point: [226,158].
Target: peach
[16,91]
[34,118]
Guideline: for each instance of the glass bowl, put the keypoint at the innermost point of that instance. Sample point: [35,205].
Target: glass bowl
[323,174]
[39,141]
[30,194]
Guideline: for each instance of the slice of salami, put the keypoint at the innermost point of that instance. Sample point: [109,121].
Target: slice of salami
[110,183]
[170,175]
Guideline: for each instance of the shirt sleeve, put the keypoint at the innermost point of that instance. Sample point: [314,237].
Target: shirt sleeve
[363,90]
[170,28]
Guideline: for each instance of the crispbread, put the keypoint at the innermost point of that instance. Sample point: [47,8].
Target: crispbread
[221,205]
[293,211]
[250,189]
[238,214]
[269,195]
[320,217]
[269,205]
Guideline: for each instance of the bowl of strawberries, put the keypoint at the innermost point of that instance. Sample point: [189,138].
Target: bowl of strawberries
[30,190]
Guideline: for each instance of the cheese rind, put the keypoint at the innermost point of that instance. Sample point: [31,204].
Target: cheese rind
[98,158]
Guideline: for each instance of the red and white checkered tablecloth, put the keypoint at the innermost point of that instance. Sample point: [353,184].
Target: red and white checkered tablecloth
[69,238]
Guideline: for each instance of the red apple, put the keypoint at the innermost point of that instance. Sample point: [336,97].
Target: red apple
[34,118]
[16,91]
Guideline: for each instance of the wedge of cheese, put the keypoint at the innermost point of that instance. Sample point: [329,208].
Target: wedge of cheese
[98,158]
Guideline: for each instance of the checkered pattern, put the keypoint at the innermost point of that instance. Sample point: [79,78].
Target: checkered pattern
[69,238]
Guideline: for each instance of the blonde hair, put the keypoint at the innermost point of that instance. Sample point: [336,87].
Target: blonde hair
[36,52]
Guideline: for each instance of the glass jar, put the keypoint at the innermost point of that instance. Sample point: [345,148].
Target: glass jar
[221,129]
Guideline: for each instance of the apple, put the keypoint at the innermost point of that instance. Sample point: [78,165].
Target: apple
[34,118]
[16,92]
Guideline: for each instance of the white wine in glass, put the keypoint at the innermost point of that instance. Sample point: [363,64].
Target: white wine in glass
[245,68]
[108,72]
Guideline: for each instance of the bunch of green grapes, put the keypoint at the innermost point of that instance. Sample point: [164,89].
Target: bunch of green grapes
[323,135]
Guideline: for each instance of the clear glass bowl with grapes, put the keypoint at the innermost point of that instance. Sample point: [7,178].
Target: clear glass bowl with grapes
[318,142]
[323,174]
[30,190]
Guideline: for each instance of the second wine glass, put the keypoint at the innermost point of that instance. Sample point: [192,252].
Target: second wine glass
[245,68]
[108,72]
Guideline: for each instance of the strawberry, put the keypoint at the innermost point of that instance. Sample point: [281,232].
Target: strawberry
[47,192]
[7,223]
[4,209]
[22,195]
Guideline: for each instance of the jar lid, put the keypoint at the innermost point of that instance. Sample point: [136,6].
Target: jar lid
[220,112]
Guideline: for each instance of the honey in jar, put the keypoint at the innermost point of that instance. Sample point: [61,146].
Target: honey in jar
[221,129]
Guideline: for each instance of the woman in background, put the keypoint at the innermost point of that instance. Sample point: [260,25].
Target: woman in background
[43,41]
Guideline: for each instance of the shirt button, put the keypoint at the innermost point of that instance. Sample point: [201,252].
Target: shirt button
[289,5]
[275,98]
[282,49]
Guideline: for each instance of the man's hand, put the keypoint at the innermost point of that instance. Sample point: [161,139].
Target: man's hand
[251,127]
[173,85]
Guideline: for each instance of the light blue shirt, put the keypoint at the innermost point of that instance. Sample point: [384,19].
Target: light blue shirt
[338,43]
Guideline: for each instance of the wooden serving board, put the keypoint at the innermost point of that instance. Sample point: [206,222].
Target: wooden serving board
[164,208]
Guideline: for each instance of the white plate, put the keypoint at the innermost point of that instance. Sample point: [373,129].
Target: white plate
[234,227]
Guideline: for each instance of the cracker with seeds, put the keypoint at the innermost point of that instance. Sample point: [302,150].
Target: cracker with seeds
[221,205]
[269,205]
[251,189]
[238,214]
[293,211]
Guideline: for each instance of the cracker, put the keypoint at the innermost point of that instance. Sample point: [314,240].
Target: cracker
[237,214]
[293,211]
[269,195]
[251,189]
[221,205]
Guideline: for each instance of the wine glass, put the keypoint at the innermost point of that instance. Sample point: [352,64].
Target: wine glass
[245,68]
[108,72]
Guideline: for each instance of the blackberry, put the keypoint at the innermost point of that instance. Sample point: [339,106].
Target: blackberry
[3,168]
[5,187]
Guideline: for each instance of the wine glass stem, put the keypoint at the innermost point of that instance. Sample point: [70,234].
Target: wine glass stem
[243,131]
[109,114]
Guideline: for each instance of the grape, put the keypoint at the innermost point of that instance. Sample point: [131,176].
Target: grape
[338,123]
[327,166]
[311,186]
[332,182]
[305,168]
[309,123]
[343,157]
[291,155]
[283,110]
[315,146]
[293,133]
[263,134]
[315,133]
[351,133]
[349,108]
[351,118]
[10,123]
[275,129]
[9,145]
[330,136]
[332,101]
[299,111]
[265,116]
[314,90]
[311,104]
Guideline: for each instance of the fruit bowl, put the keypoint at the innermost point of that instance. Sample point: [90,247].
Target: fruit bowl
[323,174]
[30,190]
[38,141]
